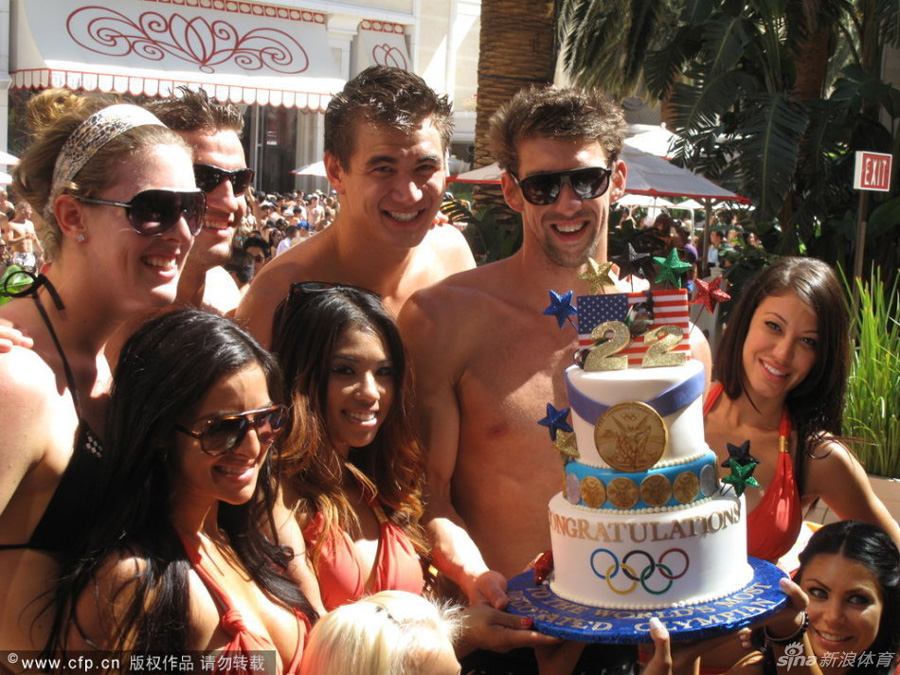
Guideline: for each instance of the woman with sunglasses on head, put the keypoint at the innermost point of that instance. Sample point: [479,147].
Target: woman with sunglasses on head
[850,572]
[177,559]
[118,204]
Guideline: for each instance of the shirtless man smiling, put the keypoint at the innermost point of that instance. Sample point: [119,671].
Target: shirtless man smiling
[386,136]
[485,357]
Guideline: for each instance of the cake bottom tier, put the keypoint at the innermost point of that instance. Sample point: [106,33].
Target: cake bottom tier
[649,560]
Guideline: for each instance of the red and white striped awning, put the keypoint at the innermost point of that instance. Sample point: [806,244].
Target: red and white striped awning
[243,52]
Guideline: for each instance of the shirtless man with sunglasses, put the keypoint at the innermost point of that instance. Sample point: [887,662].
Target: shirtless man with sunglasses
[486,359]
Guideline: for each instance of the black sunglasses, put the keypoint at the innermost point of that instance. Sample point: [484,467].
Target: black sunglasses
[320,286]
[223,434]
[156,211]
[542,189]
[210,177]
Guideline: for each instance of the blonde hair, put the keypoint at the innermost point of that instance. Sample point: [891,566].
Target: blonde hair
[389,633]
[52,117]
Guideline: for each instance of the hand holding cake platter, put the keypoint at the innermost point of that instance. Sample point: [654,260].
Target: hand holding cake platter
[643,526]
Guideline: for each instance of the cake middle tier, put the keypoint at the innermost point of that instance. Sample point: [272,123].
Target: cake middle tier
[662,487]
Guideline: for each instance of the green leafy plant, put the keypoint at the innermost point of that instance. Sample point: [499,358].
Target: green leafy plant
[14,279]
[873,392]
[489,240]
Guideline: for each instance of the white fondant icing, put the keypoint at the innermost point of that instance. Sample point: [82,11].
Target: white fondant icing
[589,545]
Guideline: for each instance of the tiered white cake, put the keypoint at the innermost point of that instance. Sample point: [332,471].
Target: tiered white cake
[642,522]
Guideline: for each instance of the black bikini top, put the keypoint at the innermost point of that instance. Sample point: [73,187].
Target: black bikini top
[73,505]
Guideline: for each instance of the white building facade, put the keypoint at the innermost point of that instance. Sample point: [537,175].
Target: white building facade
[280,62]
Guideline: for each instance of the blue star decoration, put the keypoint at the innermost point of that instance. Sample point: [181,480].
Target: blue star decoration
[741,476]
[671,269]
[561,307]
[631,263]
[555,421]
[740,454]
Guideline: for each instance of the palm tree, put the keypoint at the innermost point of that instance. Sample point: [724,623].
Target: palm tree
[746,84]
[518,48]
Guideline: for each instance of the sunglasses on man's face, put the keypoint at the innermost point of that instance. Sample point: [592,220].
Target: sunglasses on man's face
[543,189]
[210,177]
[219,435]
[156,211]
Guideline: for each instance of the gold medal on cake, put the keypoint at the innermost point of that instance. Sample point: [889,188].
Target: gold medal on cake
[686,487]
[631,436]
[593,493]
[656,490]
[622,492]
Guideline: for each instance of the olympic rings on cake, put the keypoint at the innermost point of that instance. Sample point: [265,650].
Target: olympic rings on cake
[647,571]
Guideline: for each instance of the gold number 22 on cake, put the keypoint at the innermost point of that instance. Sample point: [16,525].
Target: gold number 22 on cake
[664,339]
[603,356]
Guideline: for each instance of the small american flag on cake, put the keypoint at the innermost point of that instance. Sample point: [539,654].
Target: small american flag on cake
[670,306]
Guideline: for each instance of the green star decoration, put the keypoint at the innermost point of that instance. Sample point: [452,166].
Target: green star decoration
[566,446]
[597,275]
[671,269]
[741,476]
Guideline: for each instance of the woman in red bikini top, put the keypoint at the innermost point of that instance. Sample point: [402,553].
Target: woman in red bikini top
[176,561]
[780,375]
[781,370]
[351,463]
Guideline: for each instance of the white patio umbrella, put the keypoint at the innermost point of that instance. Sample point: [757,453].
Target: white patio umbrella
[647,175]
[314,169]
[647,201]
[690,205]
[8,159]
[652,138]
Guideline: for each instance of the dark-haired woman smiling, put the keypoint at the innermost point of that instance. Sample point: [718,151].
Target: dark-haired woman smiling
[782,368]
[177,559]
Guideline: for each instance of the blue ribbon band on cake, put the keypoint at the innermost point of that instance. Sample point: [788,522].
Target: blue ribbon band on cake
[667,403]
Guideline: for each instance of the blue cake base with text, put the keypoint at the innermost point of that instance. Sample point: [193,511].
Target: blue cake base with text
[561,618]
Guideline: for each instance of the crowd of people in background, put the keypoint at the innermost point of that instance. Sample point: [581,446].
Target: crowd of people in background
[237,421]
[663,232]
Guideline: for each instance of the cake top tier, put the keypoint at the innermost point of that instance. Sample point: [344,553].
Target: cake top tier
[633,411]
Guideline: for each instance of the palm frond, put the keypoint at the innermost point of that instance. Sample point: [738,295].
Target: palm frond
[771,136]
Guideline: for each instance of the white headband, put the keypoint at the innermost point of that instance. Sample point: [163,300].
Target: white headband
[95,132]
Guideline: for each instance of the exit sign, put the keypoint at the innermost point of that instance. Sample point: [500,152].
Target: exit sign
[873,171]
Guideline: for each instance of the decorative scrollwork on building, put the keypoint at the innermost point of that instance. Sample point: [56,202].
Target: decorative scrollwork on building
[388,55]
[195,40]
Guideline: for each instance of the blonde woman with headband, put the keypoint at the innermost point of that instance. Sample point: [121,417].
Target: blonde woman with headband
[119,207]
